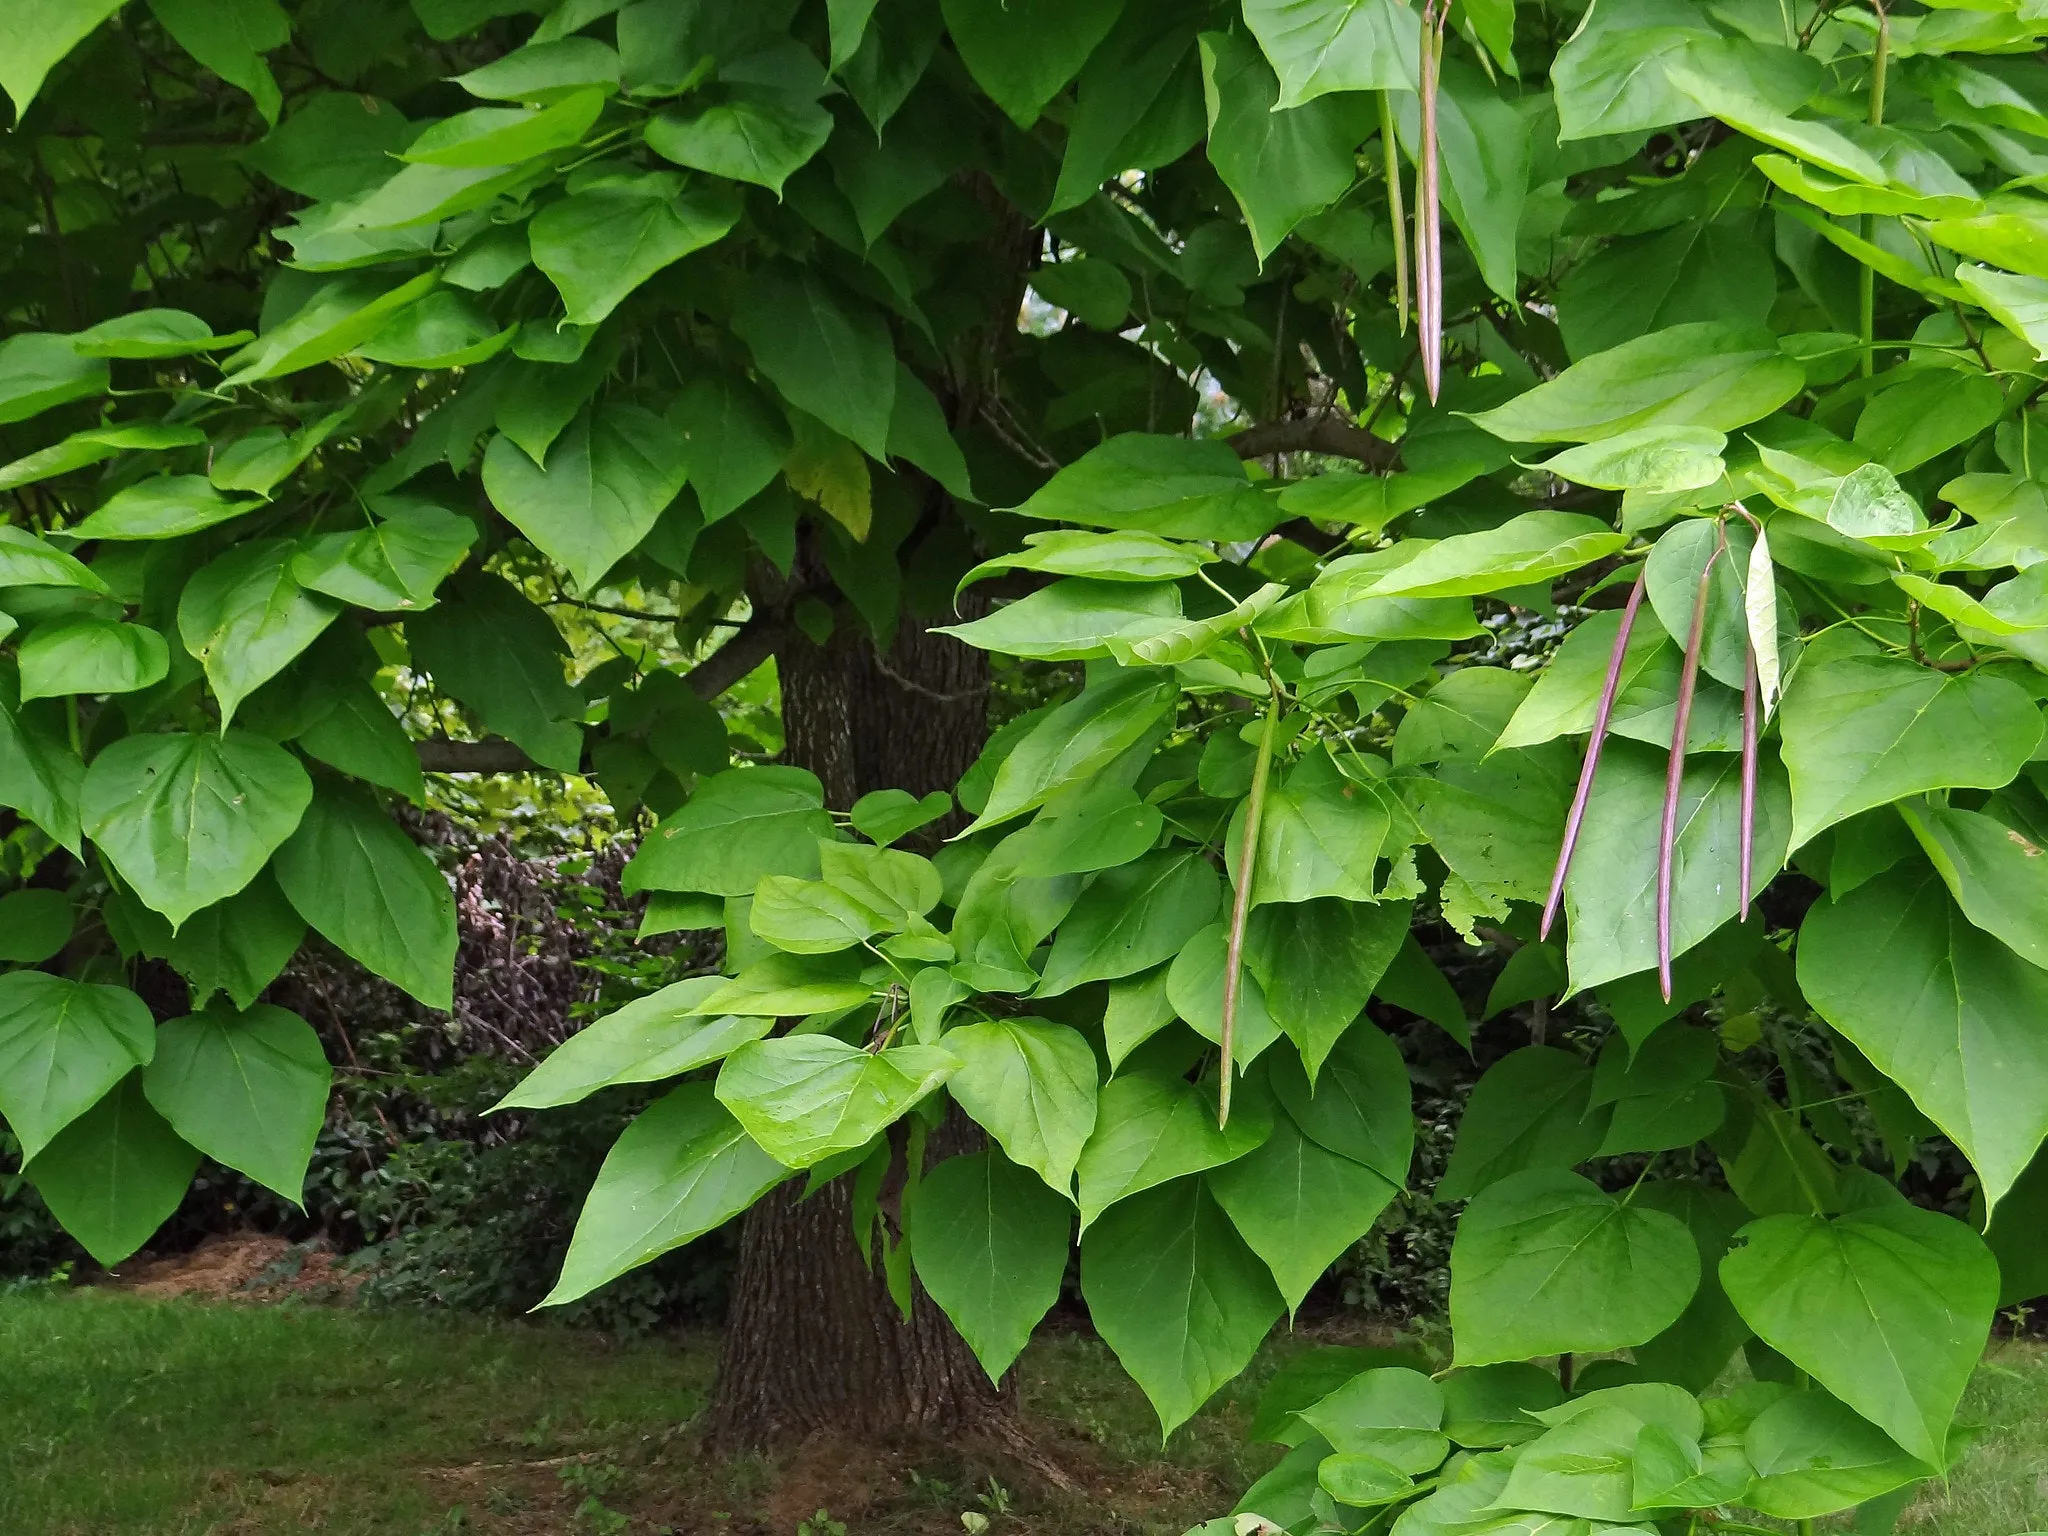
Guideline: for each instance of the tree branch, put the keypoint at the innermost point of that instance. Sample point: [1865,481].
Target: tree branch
[492,755]
[754,643]
[1315,434]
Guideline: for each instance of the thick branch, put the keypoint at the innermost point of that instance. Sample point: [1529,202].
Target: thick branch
[754,643]
[1315,434]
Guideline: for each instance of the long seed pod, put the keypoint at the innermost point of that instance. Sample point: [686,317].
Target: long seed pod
[1608,691]
[1429,253]
[1241,902]
[1674,776]
[1749,714]
[1397,210]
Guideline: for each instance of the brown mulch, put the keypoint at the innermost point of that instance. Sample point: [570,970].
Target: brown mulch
[237,1266]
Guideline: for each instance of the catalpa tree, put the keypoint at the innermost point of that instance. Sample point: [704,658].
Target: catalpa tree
[1643,584]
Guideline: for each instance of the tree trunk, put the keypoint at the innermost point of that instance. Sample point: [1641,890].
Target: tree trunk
[813,1340]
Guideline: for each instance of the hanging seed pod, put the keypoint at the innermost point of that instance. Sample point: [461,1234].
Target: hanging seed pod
[1748,774]
[1674,776]
[1608,690]
[1240,907]
[1429,251]
[1397,211]
[1759,602]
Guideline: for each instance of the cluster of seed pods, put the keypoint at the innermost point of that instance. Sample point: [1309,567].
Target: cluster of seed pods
[1674,778]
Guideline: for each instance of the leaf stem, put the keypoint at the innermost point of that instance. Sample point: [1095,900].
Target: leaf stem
[1608,691]
[1674,774]
[1396,207]
[1241,902]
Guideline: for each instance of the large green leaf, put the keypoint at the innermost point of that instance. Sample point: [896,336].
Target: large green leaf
[1359,1107]
[506,135]
[1072,744]
[827,355]
[1317,962]
[806,1097]
[245,617]
[497,653]
[1887,1307]
[1281,163]
[1320,46]
[1813,1456]
[1390,1412]
[1696,1349]
[238,946]
[115,1174]
[396,564]
[1177,1294]
[1863,730]
[1662,1094]
[362,738]
[40,774]
[26,561]
[249,1089]
[1177,487]
[1705,374]
[651,1038]
[91,656]
[342,313]
[1024,52]
[1132,918]
[36,34]
[1077,619]
[1150,1128]
[1093,825]
[1320,836]
[1194,991]
[1611,895]
[990,1243]
[1942,1008]
[738,828]
[734,441]
[600,244]
[756,135]
[63,1044]
[230,38]
[1299,1205]
[38,371]
[606,480]
[1546,1261]
[1031,1085]
[1993,872]
[1531,1109]
[189,820]
[370,891]
[681,1168]
[163,507]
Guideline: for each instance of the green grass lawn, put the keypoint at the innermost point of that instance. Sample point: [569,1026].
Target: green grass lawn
[156,1418]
